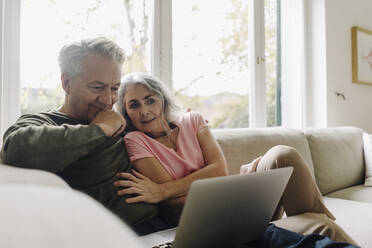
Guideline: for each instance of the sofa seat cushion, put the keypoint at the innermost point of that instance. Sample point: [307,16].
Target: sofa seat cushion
[15,175]
[242,145]
[36,216]
[354,217]
[337,154]
[355,193]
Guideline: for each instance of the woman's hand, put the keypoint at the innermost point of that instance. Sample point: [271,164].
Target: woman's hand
[140,185]
[251,167]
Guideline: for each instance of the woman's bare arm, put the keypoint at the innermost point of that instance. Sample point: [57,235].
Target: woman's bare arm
[215,165]
[153,184]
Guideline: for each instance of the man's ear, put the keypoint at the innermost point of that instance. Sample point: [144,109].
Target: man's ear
[66,84]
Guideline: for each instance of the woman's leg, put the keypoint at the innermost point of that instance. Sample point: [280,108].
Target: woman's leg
[304,230]
[310,223]
[301,194]
[301,200]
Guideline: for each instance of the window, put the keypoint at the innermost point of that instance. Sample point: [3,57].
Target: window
[220,57]
[212,61]
[48,25]
[211,71]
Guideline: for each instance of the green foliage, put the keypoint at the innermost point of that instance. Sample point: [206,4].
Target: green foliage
[224,110]
[189,102]
[235,46]
[37,100]
[232,113]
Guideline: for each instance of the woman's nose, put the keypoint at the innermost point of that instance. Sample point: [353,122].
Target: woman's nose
[145,111]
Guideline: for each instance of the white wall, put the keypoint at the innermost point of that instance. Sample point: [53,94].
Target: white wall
[340,16]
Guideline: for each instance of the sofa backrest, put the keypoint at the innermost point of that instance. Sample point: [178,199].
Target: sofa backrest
[241,146]
[337,155]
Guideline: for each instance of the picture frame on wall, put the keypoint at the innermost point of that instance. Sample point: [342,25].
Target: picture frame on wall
[361,41]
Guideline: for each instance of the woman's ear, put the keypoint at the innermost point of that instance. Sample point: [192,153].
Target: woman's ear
[66,84]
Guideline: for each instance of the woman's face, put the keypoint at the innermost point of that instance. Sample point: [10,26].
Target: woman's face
[145,110]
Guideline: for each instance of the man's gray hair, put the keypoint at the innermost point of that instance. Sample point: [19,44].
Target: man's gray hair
[153,84]
[72,55]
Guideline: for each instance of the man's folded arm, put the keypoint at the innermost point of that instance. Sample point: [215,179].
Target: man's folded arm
[48,147]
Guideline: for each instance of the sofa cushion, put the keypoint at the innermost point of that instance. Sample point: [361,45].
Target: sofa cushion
[337,154]
[10,174]
[355,193]
[354,217]
[241,146]
[36,216]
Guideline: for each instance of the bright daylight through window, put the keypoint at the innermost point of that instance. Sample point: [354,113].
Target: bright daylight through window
[62,21]
[210,51]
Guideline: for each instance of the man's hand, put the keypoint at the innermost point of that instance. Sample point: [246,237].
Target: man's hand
[111,122]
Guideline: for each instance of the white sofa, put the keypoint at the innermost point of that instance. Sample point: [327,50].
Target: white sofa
[38,209]
[335,158]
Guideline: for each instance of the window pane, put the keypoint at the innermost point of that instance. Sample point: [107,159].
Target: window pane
[47,25]
[270,60]
[210,59]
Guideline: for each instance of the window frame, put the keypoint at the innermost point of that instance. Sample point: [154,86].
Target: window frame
[257,49]
[10,107]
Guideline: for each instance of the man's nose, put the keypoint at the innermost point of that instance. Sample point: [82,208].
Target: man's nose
[107,98]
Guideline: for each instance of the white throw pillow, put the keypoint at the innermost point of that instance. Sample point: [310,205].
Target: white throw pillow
[367,147]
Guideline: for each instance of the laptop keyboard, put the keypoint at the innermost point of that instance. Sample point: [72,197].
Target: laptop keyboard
[166,245]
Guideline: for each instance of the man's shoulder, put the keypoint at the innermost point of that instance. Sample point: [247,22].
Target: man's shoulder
[34,119]
[54,118]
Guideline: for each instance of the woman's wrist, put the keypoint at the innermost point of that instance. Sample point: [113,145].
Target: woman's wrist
[169,190]
[165,191]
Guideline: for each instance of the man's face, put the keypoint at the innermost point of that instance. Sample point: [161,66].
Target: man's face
[94,90]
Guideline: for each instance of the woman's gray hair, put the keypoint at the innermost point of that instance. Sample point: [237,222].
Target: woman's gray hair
[72,55]
[153,84]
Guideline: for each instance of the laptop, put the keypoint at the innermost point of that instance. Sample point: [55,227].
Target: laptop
[225,211]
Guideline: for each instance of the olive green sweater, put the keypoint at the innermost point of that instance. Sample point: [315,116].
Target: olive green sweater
[79,153]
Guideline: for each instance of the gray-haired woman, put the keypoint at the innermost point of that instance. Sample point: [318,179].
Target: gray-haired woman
[170,151]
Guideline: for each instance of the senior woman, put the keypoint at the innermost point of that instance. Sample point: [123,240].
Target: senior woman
[169,150]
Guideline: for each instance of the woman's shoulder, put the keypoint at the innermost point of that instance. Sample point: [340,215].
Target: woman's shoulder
[192,119]
[190,116]
[135,136]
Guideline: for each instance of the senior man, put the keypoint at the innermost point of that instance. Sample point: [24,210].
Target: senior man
[81,141]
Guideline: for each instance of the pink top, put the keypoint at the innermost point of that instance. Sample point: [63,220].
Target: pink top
[187,159]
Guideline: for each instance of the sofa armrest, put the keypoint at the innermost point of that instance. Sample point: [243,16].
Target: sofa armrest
[15,175]
[43,217]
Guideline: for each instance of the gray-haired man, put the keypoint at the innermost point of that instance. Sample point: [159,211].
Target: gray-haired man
[82,141]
